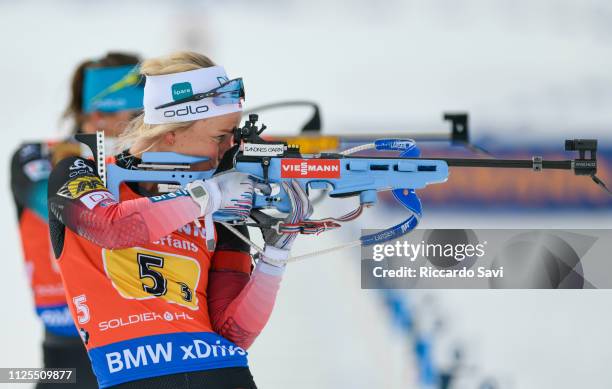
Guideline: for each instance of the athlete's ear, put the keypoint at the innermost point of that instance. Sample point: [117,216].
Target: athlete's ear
[169,138]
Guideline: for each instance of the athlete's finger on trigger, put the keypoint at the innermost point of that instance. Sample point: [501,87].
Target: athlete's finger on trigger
[303,198]
[294,200]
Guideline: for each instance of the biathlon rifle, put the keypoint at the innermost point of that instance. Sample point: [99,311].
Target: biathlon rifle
[342,174]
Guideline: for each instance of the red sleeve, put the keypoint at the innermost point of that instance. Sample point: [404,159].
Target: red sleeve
[240,305]
[78,200]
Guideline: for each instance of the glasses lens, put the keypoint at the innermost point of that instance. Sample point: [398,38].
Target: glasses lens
[230,93]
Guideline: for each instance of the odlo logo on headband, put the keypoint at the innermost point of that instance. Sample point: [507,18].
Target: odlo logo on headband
[188,110]
[181,90]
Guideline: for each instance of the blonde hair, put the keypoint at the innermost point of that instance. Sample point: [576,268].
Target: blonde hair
[137,130]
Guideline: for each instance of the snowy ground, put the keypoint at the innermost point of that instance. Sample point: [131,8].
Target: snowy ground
[525,339]
[529,338]
[541,67]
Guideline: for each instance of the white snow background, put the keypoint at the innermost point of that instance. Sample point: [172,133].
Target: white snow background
[527,71]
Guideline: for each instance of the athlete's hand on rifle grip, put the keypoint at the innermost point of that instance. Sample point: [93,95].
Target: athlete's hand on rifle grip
[278,245]
[229,195]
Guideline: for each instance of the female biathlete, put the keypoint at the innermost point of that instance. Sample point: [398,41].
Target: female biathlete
[104,96]
[156,306]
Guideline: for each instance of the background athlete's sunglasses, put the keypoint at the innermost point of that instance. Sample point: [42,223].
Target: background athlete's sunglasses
[230,92]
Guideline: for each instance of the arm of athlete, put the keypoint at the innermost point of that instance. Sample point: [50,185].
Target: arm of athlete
[78,199]
[30,169]
[239,305]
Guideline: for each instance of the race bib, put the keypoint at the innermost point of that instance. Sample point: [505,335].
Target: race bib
[138,273]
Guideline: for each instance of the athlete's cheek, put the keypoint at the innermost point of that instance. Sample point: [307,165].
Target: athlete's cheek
[223,147]
[213,153]
[214,162]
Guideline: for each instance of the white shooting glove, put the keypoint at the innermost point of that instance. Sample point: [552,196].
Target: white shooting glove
[229,195]
[278,246]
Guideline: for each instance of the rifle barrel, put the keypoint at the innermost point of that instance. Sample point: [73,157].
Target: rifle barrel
[507,163]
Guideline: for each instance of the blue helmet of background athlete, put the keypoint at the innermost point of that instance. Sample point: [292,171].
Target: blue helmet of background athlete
[106,94]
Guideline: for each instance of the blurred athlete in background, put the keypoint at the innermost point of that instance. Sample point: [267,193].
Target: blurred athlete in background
[105,95]
[160,301]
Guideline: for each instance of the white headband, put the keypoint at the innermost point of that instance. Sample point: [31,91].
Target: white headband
[171,87]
